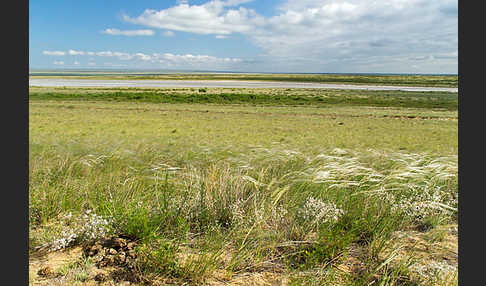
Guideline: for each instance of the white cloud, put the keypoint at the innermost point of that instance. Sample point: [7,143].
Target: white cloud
[75,53]
[143,56]
[235,2]
[169,59]
[121,56]
[76,63]
[192,59]
[209,18]
[328,35]
[54,53]
[128,32]
[221,37]
[59,63]
[168,33]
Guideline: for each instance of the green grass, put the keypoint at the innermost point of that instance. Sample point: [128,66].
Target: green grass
[248,188]
[292,97]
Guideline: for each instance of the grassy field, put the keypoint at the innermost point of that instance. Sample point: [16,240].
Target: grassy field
[242,187]
[257,96]
[410,80]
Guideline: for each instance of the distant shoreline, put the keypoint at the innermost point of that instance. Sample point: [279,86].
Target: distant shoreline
[66,72]
[54,82]
[348,79]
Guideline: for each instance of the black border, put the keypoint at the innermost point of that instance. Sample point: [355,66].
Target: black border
[471,240]
[15,117]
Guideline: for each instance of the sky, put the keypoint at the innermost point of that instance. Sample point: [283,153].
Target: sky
[301,36]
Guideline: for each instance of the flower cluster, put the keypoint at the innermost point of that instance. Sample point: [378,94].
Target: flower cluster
[279,212]
[66,239]
[93,227]
[318,211]
[422,204]
[87,227]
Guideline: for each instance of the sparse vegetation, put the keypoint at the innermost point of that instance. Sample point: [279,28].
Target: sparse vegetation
[358,190]
[406,80]
[266,97]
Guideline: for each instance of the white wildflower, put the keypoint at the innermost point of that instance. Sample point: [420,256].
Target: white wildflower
[321,212]
[87,227]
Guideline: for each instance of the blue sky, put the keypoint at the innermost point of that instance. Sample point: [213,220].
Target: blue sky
[350,36]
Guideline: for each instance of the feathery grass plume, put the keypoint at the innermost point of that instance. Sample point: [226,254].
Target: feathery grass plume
[282,210]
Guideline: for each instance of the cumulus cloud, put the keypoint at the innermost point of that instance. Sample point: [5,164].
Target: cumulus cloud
[168,59]
[359,25]
[75,53]
[311,35]
[59,63]
[192,59]
[128,32]
[143,57]
[120,55]
[54,53]
[326,33]
[212,17]
[168,33]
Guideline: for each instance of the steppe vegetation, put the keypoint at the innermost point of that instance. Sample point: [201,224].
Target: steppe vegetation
[406,80]
[257,96]
[242,187]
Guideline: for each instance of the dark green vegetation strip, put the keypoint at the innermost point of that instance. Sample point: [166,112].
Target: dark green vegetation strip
[442,100]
